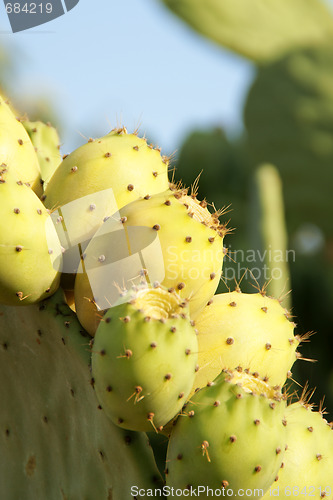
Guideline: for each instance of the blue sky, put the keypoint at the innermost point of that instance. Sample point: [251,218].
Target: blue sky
[129,62]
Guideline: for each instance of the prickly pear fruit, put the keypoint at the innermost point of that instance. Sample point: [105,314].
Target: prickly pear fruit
[232,435]
[308,461]
[100,177]
[144,358]
[30,252]
[170,237]
[18,159]
[46,141]
[247,330]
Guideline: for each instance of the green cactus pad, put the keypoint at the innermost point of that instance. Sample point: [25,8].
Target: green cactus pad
[30,252]
[268,232]
[232,436]
[18,159]
[144,360]
[56,443]
[169,236]
[46,141]
[308,461]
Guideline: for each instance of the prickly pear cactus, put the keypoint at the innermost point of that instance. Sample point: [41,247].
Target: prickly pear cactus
[144,359]
[247,330]
[55,440]
[260,29]
[18,158]
[308,461]
[46,142]
[30,252]
[147,258]
[269,232]
[232,435]
[170,236]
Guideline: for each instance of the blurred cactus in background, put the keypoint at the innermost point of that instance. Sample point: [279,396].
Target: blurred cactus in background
[289,120]
[261,29]
[268,232]
[289,123]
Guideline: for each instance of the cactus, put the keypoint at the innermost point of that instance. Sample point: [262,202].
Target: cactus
[150,334]
[186,255]
[292,128]
[18,159]
[148,258]
[232,435]
[46,141]
[55,441]
[30,253]
[308,461]
[269,233]
[259,30]
[247,330]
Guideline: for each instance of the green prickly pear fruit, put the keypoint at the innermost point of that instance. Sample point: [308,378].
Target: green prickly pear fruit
[308,461]
[144,358]
[18,159]
[46,141]
[100,177]
[30,252]
[170,237]
[231,436]
[247,330]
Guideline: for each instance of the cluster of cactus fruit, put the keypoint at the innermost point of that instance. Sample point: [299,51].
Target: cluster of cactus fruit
[110,329]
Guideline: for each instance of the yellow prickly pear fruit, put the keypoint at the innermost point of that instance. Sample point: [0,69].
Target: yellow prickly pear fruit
[308,461]
[247,330]
[30,252]
[18,159]
[46,142]
[169,238]
[100,177]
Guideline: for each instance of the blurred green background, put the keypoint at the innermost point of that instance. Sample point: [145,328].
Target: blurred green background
[273,171]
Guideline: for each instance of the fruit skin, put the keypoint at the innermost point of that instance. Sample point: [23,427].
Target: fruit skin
[169,236]
[30,252]
[102,176]
[229,436]
[46,142]
[18,159]
[144,358]
[248,330]
[55,441]
[308,461]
